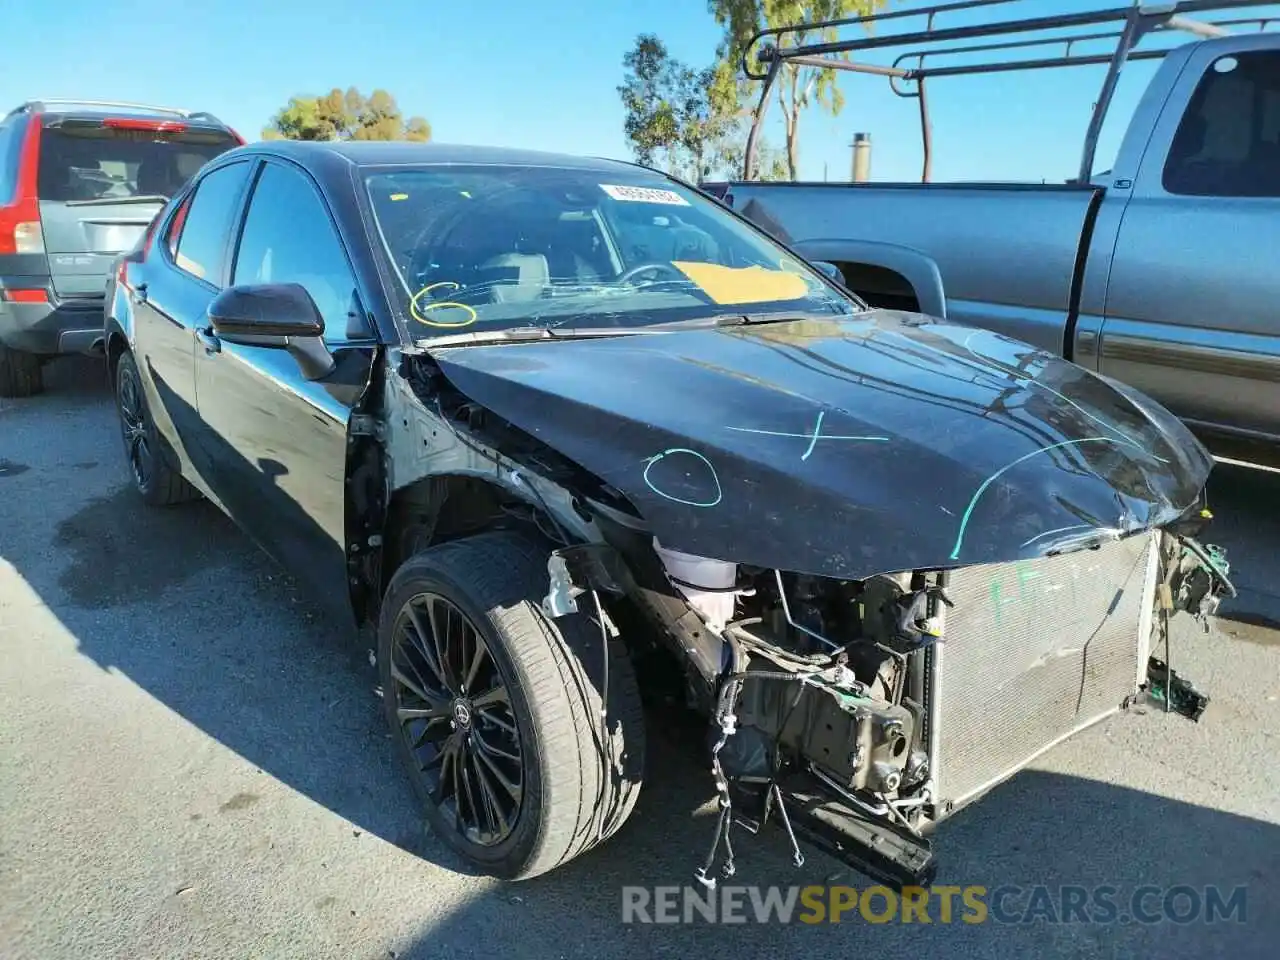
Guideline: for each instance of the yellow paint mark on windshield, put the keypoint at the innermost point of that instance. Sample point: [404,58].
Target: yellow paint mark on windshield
[399,196]
[743,284]
[419,310]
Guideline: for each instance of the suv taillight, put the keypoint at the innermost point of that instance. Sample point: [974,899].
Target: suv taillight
[20,230]
[28,237]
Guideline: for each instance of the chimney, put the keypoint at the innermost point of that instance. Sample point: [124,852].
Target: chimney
[861,157]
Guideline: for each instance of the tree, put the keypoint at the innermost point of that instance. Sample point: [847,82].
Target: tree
[345,116]
[649,93]
[687,120]
[798,87]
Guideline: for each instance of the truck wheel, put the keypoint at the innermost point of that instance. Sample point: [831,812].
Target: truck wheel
[152,477]
[495,709]
[20,374]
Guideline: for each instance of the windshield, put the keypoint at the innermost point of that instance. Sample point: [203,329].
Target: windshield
[493,247]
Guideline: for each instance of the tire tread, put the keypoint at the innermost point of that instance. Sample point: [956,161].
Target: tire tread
[20,373]
[505,573]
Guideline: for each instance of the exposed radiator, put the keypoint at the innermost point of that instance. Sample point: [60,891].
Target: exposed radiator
[1034,651]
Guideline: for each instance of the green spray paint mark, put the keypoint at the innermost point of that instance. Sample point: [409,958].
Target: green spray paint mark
[1025,573]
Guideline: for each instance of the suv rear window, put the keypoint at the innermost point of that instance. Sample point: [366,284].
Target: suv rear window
[90,162]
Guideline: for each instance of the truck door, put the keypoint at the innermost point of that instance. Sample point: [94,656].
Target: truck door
[1193,303]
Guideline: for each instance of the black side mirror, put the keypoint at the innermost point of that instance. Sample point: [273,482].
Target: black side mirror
[273,315]
[830,269]
[265,310]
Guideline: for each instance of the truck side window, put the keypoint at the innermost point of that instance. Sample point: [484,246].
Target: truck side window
[1228,143]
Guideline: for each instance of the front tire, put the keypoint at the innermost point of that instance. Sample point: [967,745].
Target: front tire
[495,709]
[158,484]
[20,373]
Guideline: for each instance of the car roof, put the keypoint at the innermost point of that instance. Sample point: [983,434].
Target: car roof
[318,154]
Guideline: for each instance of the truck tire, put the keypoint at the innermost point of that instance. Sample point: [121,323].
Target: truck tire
[20,374]
[495,709]
[153,478]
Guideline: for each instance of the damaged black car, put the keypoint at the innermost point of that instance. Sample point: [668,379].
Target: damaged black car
[531,421]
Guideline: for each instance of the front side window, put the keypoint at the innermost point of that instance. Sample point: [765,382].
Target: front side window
[289,238]
[489,247]
[209,215]
[1228,143]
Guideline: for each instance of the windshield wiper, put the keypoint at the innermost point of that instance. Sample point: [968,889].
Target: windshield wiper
[112,201]
[754,319]
[525,334]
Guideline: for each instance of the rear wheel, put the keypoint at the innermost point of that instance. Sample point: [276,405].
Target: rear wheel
[152,477]
[20,374]
[495,710]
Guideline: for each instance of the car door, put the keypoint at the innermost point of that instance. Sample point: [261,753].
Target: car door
[278,441]
[187,268]
[1191,311]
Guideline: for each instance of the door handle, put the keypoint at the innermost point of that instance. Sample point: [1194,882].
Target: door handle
[210,340]
[140,293]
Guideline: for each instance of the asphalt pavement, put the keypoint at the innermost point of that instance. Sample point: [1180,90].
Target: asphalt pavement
[193,764]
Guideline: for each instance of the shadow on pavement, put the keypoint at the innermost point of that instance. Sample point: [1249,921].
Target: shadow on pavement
[1010,844]
[279,684]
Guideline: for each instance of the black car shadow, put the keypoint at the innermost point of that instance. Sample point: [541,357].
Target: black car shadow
[277,682]
[1028,846]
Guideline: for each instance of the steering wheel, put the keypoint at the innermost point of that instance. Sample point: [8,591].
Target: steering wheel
[652,265]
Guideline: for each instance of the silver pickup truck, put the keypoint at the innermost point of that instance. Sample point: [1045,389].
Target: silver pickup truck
[1160,272]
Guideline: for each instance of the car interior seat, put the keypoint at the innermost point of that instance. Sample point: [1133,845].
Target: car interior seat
[155,178]
[516,277]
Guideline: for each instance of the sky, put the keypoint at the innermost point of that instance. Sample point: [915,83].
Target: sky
[524,74]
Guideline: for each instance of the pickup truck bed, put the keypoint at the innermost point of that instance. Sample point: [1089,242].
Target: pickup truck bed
[1159,272]
[879,234]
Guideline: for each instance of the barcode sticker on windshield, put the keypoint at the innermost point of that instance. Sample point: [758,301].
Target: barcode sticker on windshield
[644,194]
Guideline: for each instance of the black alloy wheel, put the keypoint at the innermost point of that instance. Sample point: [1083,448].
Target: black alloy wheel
[134,428]
[496,710]
[153,478]
[455,714]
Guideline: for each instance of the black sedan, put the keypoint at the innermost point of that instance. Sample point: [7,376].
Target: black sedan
[532,417]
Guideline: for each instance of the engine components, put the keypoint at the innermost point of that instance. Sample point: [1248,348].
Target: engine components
[861,742]
[707,584]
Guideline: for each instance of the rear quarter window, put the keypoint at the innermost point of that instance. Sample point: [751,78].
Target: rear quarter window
[10,147]
[90,162]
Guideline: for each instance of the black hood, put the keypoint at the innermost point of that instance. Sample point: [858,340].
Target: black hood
[837,448]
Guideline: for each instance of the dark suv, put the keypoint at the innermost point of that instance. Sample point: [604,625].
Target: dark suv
[79,182]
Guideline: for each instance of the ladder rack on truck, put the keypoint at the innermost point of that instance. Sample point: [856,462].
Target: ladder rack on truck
[765,54]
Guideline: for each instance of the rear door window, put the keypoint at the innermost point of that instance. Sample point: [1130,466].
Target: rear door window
[204,242]
[87,162]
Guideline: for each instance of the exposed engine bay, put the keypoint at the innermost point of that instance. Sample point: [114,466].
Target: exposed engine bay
[837,684]
[857,712]
[828,702]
